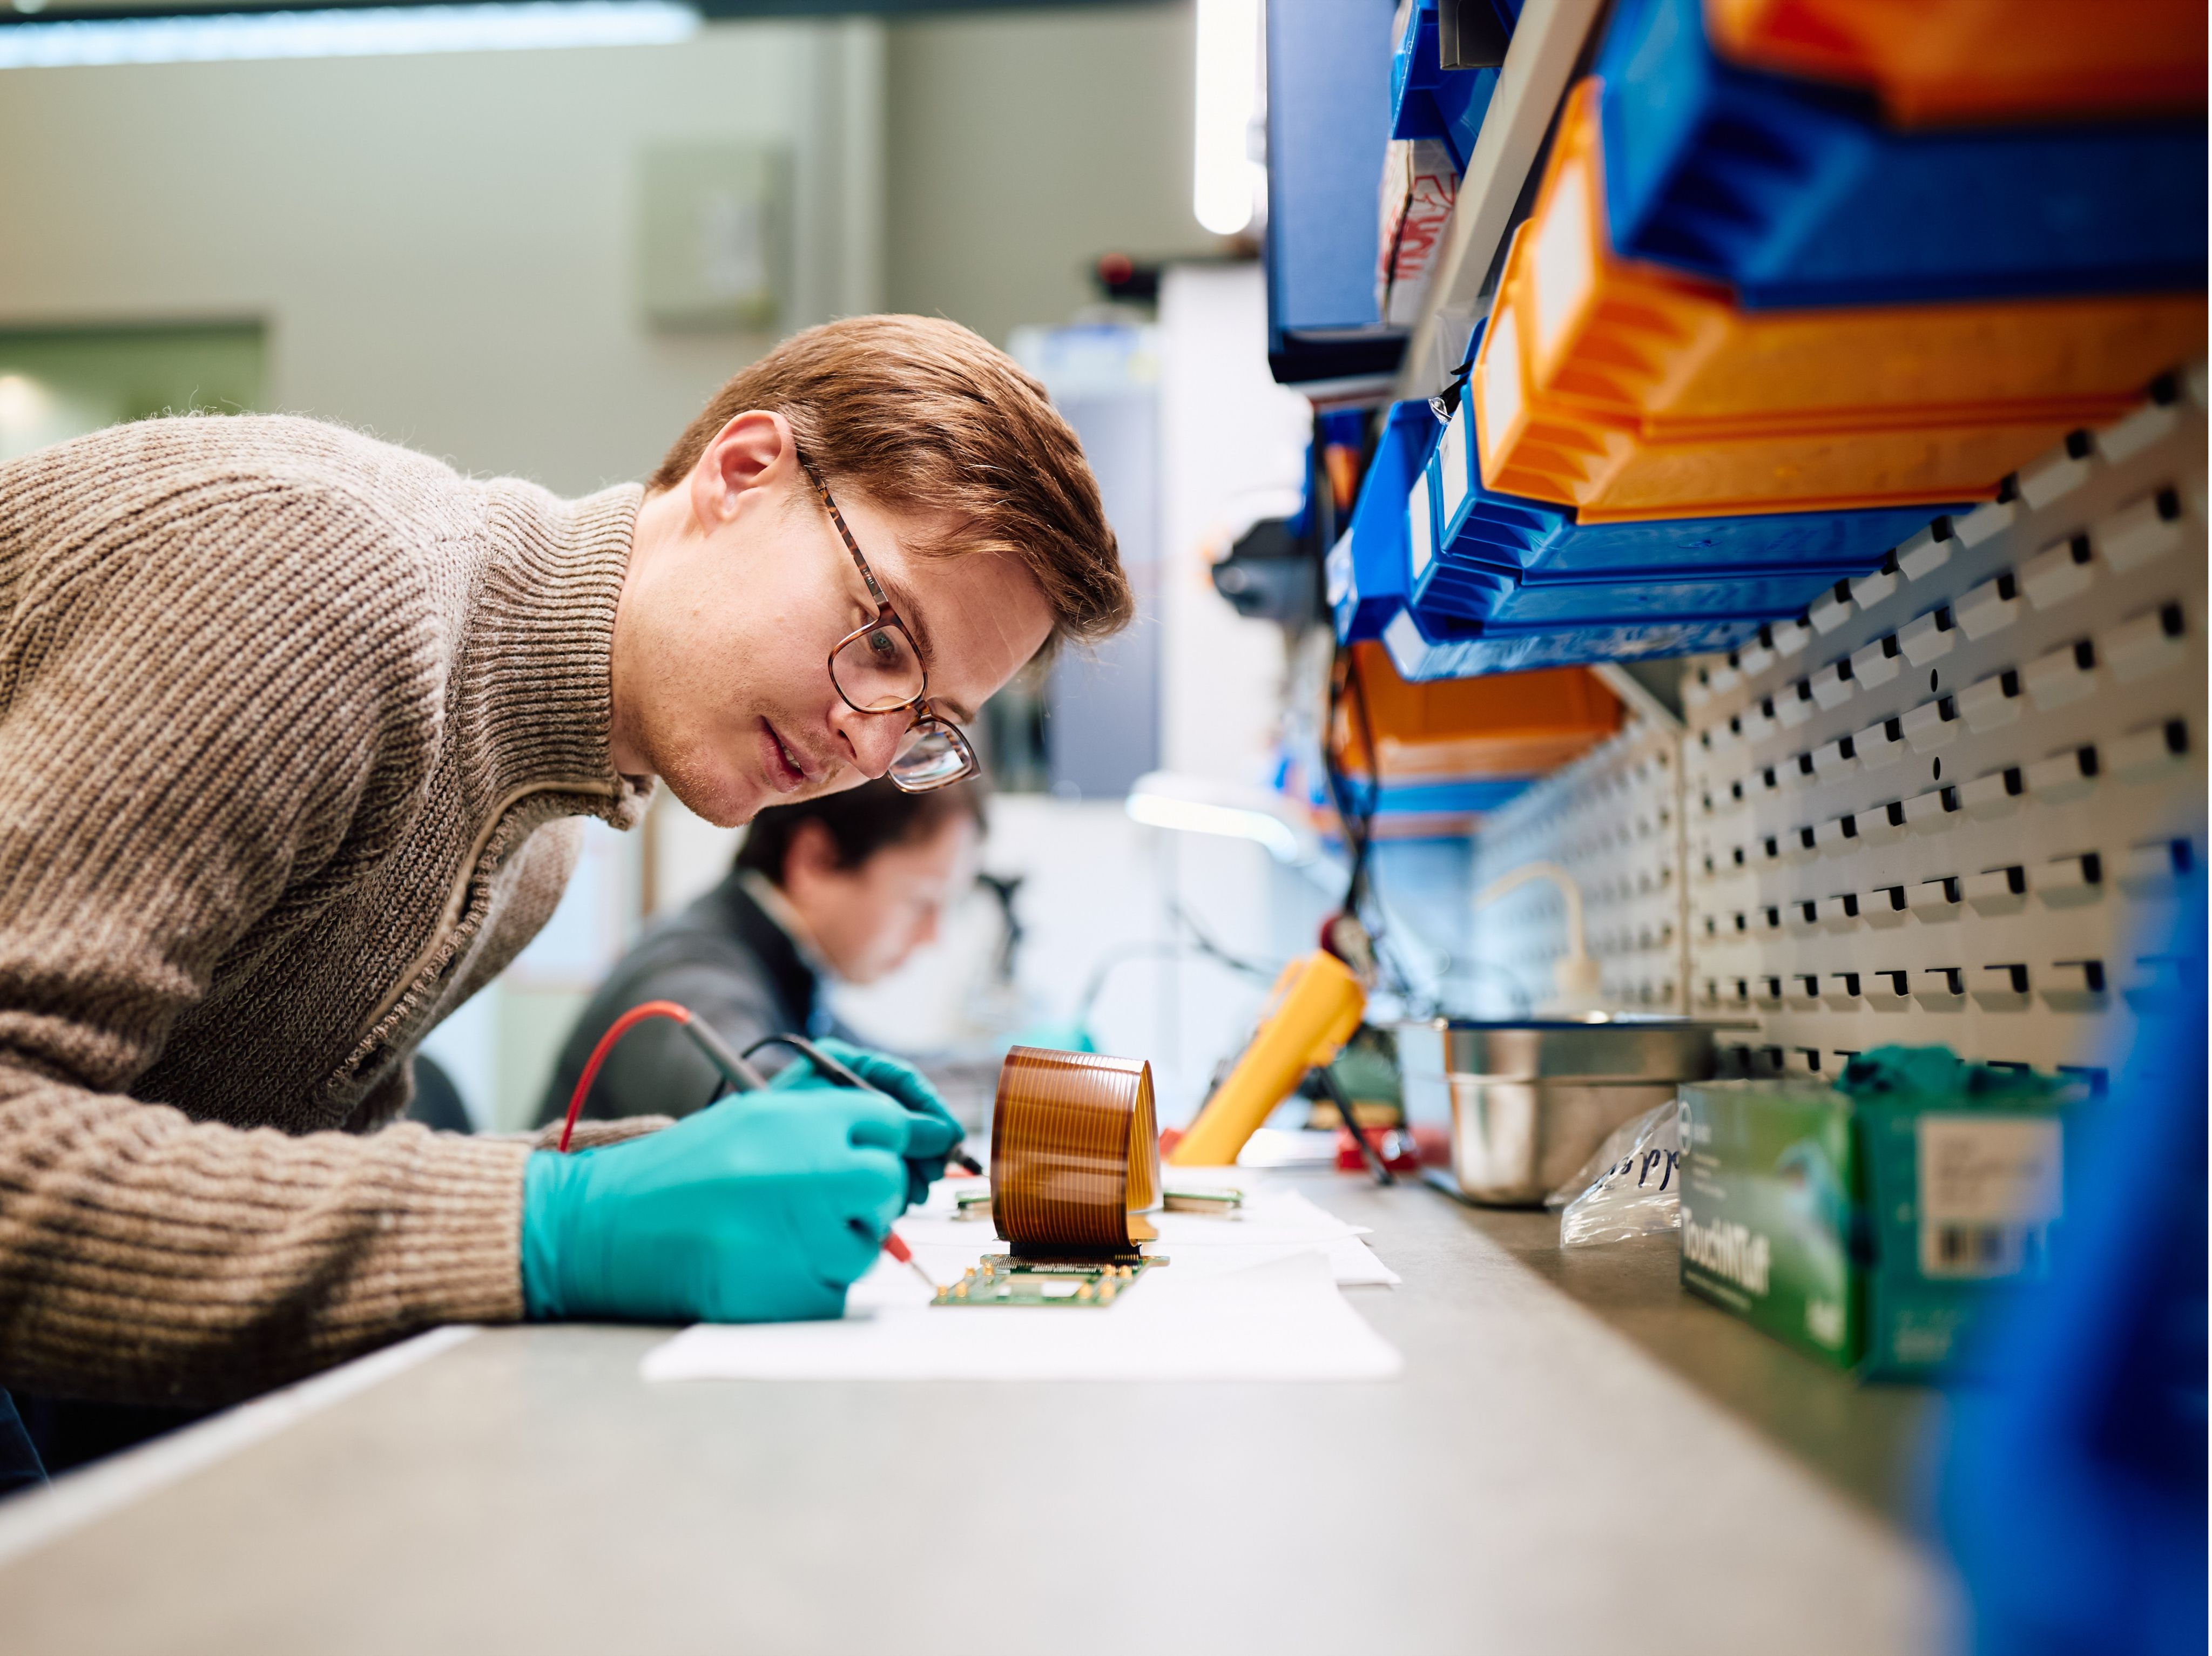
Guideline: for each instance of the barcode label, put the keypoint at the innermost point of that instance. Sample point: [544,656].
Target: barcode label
[1989,1191]
[1968,1250]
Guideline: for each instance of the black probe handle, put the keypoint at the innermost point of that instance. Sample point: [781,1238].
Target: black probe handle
[1368,1153]
[739,1075]
[845,1075]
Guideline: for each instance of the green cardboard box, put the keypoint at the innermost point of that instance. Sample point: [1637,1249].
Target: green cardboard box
[1873,1232]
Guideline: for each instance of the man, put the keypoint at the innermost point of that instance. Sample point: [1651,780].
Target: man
[849,884]
[297,725]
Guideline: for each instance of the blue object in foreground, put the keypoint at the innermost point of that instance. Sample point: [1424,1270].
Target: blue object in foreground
[2073,1491]
[1797,194]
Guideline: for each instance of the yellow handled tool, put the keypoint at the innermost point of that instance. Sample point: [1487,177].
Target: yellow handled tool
[1313,1010]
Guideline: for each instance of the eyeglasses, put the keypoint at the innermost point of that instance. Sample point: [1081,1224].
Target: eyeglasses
[877,668]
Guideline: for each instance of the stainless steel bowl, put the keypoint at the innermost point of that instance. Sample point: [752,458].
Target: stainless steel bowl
[1527,1104]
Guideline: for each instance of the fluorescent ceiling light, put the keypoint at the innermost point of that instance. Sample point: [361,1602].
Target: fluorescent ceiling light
[363,32]
[1196,816]
[1225,180]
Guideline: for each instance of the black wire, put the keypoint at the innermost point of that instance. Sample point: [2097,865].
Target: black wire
[1356,811]
[1121,954]
[1338,1096]
[829,1067]
[1358,688]
[1164,949]
[1206,945]
[1353,820]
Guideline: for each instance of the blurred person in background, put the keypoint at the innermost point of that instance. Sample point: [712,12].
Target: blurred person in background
[845,886]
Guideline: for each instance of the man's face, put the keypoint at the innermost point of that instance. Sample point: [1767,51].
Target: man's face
[867,920]
[737,590]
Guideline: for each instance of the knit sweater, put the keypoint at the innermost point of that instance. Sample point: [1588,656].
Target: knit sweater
[297,728]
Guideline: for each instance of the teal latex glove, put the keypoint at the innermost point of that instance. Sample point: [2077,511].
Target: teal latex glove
[931,1134]
[763,1208]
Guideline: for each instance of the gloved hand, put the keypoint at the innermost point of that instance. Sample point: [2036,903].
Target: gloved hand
[932,1132]
[761,1208]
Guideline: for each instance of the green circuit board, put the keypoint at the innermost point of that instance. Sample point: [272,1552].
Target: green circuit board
[1001,1279]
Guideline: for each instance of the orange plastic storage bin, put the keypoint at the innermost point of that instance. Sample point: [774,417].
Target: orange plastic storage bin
[1627,338]
[1509,724]
[1611,472]
[1627,390]
[1933,62]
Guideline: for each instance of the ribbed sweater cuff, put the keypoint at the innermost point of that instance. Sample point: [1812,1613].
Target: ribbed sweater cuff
[450,1250]
[144,1258]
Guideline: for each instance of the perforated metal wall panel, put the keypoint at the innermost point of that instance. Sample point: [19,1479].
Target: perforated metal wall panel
[1949,806]
[1613,821]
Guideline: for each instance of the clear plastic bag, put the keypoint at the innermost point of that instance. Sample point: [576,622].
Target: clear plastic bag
[1631,1188]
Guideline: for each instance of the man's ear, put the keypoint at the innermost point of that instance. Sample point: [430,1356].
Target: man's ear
[754,450]
[812,854]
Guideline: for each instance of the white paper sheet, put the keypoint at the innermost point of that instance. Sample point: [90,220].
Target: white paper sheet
[1280,1320]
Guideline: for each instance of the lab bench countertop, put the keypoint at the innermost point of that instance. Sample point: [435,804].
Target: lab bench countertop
[1576,1458]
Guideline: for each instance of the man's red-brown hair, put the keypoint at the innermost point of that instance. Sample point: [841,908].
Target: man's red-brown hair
[918,414]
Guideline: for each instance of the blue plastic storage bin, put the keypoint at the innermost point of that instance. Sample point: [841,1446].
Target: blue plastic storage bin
[1473,794]
[1469,796]
[1429,649]
[1365,570]
[1637,596]
[1502,558]
[1763,566]
[1838,542]
[1797,194]
[1450,798]
[1430,101]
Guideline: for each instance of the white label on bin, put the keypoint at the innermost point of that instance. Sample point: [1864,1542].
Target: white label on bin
[1989,1191]
[1451,466]
[1420,527]
[1336,571]
[1561,258]
[1501,380]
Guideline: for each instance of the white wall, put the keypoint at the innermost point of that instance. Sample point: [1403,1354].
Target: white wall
[442,244]
[1023,145]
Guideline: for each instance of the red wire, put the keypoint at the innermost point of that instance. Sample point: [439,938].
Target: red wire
[622,1026]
